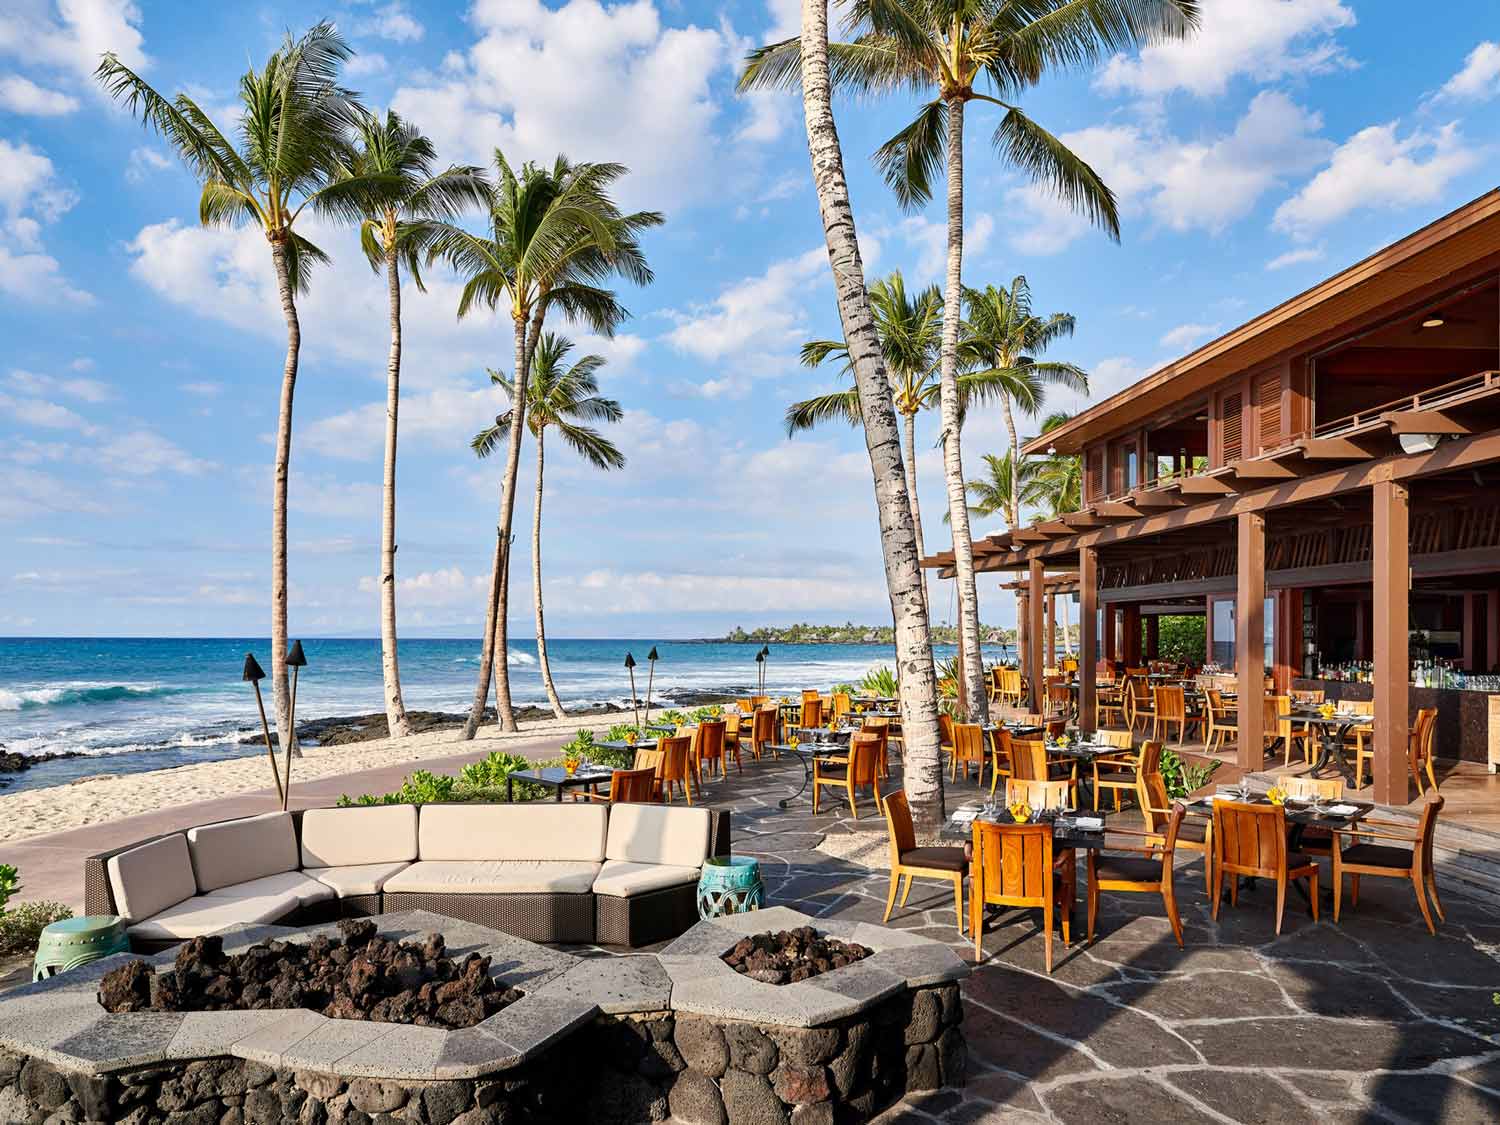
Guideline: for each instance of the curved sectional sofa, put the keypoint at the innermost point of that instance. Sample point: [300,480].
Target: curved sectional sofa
[622,874]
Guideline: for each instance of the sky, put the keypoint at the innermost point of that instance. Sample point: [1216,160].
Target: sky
[142,353]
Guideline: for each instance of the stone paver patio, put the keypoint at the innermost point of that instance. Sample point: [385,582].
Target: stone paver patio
[1372,1019]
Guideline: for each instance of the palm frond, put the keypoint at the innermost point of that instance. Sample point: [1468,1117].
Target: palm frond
[1045,159]
[838,406]
[592,446]
[913,157]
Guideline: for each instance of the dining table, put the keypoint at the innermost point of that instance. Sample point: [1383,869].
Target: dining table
[1066,829]
[621,744]
[805,752]
[557,778]
[1333,731]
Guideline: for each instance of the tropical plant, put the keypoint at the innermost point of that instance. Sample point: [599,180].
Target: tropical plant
[991,493]
[945,47]
[880,682]
[554,234]
[492,770]
[563,397]
[923,778]
[21,926]
[10,883]
[1181,638]
[406,205]
[293,148]
[580,743]
[1182,779]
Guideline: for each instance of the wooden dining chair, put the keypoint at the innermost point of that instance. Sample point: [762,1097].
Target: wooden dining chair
[851,771]
[968,750]
[746,706]
[945,734]
[1169,705]
[1028,759]
[1293,735]
[999,757]
[1196,833]
[1147,871]
[711,745]
[1308,696]
[1115,772]
[1384,861]
[993,685]
[633,785]
[1059,700]
[1038,794]
[759,701]
[762,731]
[1250,841]
[880,726]
[910,862]
[676,768]
[1221,721]
[1419,748]
[1314,840]
[1140,705]
[1014,865]
[732,740]
[841,705]
[812,712]
[1109,704]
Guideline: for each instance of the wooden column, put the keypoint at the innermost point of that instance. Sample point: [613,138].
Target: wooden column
[1050,660]
[1492,630]
[1023,643]
[1034,605]
[1392,573]
[1472,625]
[1153,637]
[1109,633]
[1249,638]
[1132,644]
[1088,657]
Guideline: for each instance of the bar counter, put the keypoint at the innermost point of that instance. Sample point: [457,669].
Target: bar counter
[1463,729]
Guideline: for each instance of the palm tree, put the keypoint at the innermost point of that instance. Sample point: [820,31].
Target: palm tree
[554,234]
[563,397]
[946,47]
[292,149]
[991,494]
[1002,338]
[404,213]
[909,330]
[923,779]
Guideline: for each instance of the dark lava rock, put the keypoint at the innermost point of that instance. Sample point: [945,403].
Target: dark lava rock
[789,956]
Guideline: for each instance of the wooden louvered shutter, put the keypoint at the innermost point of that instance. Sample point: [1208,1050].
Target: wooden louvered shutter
[1268,411]
[1094,486]
[1231,447]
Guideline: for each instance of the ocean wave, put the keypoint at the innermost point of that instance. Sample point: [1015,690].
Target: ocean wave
[26,699]
[511,657]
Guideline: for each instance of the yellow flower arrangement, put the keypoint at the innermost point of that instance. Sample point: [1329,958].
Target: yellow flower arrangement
[1276,795]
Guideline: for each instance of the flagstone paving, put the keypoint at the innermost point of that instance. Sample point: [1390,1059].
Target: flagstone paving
[1372,1019]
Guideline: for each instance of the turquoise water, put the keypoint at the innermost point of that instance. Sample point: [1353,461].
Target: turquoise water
[146,703]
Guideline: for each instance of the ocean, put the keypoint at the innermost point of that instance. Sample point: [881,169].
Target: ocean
[134,704]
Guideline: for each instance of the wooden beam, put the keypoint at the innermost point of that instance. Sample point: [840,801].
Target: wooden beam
[1088,615]
[1260,471]
[1085,518]
[1392,641]
[1054,528]
[1034,609]
[1029,535]
[1424,422]
[1249,637]
[1153,500]
[1336,449]
[1115,510]
[1203,486]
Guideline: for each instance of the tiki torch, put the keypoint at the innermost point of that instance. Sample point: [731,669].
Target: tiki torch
[765,655]
[760,672]
[651,659]
[295,659]
[253,675]
[630,667]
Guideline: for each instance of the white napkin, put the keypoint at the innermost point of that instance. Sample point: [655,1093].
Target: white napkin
[1089,823]
[1342,810]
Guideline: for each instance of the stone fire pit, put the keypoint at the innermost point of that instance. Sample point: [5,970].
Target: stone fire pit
[606,1039]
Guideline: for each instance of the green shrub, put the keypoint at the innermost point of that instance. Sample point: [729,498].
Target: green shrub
[671,715]
[1181,778]
[10,883]
[493,770]
[879,681]
[22,925]
[706,714]
[581,743]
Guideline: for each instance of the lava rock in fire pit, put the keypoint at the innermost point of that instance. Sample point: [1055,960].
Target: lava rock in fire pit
[792,955]
[363,977]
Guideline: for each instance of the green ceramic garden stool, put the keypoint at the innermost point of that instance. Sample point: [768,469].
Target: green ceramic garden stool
[77,941]
[730,885]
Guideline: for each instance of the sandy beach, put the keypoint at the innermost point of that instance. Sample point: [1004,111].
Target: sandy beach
[35,812]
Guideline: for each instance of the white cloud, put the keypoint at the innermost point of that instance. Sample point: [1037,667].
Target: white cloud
[445,418]
[29,492]
[44,414]
[19,94]
[87,390]
[1296,257]
[144,161]
[442,588]
[1264,40]
[31,196]
[609,592]
[395,23]
[1479,80]
[786,20]
[1376,169]
[322,495]
[142,453]
[74,35]
[929,237]
[1176,184]
[202,388]
[365,64]
[763,314]
[1186,335]
[38,278]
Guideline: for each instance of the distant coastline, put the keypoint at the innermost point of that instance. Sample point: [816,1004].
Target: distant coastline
[851,634]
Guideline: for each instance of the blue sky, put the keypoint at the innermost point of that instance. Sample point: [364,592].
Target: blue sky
[142,354]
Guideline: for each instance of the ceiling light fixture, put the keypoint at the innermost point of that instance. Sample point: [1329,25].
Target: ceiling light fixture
[1433,322]
[1052,451]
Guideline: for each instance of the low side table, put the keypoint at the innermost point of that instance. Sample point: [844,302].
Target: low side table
[72,942]
[730,885]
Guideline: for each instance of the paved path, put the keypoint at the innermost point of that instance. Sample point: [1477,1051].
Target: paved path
[52,866]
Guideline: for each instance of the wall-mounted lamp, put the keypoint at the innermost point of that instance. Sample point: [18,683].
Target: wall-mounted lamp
[1433,322]
[1419,443]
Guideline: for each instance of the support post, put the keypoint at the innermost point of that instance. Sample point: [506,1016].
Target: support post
[1088,605]
[1392,573]
[1110,631]
[1034,605]
[1051,659]
[1249,638]
[1023,642]
[1491,631]
[1153,637]
[1133,636]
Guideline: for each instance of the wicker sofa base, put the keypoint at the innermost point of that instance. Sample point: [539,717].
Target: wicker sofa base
[646,918]
[565,918]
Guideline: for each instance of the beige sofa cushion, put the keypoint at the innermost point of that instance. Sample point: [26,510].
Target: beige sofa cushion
[207,913]
[236,851]
[542,830]
[489,877]
[148,879]
[355,879]
[299,884]
[349,837]
[658,834]
[620,878]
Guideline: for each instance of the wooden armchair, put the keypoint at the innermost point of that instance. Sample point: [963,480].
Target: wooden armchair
[1195,834]
[1292,737]
[732,740]
[968,750]
[1059,700]
[1115,772]
[746,706]
[1221,721]
[1028,759]
[1147,872]
[1140,704]
[1386,862]
[634,785]
[841,705]
[1038,794]
[1250,841]
[676,768]
[1419,748]
[850,772]
[711,745]
[1000,760]
[1012,689]
[762,731]
[1109,704]
[1169,705]
[812,712]
[910,862]
[945,733]
[1014,865]
[880,725]
[1315,841]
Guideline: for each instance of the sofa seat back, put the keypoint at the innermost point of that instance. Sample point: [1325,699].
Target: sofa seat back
[544,830]
[237,851]
[148,879]
[355,836]
[659,834]
[495,877]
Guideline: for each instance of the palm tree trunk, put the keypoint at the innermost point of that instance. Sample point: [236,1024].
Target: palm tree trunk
[924,773]
[281,688]
[536,587]
[1013,501]
[977,705]
[495,639]
[396,721]
[909,443]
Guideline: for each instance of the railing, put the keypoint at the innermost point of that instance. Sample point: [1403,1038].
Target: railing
[1423,400]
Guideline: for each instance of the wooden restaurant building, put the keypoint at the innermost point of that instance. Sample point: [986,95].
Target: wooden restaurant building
[1324,479]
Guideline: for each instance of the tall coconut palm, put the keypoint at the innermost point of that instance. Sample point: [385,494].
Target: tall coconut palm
[923,778]
[946,47]
[408,207]
[991,493]
[292,148]
[554,234]
[1002,338]
[564,397]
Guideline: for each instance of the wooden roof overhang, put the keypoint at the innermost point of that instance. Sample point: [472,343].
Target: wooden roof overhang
[1415,268]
